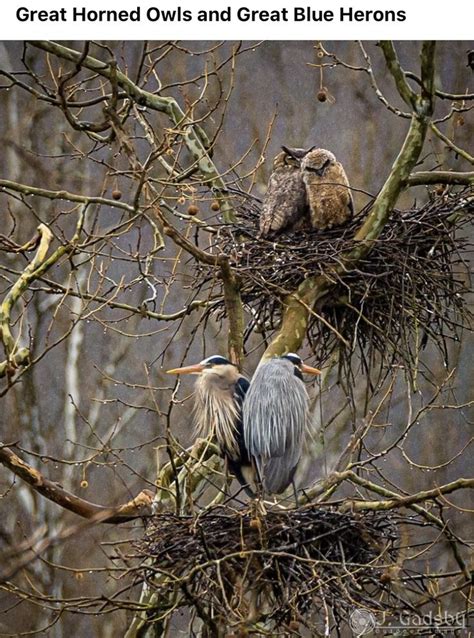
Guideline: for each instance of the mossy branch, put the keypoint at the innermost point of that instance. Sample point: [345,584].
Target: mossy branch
[234,311]
[444,95]
[297,306]
[35,269]
[451,178]
[413,499]
[45,238]
[14,357]
[20,358]
[394,500]
[393,65]
[425,101]
[457,149]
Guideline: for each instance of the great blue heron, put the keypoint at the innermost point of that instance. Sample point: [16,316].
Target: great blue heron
[220,392]
[275,417]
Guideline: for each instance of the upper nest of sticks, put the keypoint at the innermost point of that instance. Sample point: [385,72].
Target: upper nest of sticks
[410,286]
[302,561]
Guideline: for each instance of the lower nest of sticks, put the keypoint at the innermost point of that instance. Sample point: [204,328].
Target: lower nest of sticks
[291,563]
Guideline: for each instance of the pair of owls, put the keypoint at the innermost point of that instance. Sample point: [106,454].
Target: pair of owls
[307,189]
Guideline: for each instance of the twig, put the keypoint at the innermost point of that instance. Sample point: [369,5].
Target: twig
[134,508]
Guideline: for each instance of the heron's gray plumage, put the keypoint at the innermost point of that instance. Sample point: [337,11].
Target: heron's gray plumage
[259,430]
[275,416]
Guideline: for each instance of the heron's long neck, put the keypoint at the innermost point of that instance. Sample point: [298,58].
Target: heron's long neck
[216,413]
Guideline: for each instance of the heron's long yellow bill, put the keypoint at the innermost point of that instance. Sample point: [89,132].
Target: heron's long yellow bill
[195,369]
[309,369]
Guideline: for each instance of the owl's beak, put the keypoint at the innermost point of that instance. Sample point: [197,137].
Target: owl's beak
[309,370]
[194,369]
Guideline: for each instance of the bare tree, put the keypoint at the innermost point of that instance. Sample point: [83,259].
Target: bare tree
[130,197]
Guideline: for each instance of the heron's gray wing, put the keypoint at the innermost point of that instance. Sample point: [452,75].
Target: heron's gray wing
[275,415]
[278,472]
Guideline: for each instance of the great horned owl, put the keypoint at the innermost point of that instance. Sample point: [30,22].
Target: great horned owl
[327,189]
[285,204]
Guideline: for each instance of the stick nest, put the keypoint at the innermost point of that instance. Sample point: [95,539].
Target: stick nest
[408,289]
[298,561]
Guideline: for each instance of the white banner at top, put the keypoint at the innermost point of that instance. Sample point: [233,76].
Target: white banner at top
[236,19]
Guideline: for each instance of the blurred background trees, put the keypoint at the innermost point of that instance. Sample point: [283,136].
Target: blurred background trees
[121,162]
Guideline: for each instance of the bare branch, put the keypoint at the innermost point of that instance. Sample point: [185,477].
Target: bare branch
[134,508]
[441,177]
[393,65]
[192,136]
[413,499]
[25,189]
[457,149]
[444,95]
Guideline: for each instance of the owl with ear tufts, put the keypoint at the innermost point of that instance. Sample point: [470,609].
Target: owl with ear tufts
[327,189]
[285,205]
[308,188]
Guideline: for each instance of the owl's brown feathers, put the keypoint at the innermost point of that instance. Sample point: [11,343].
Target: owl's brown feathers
[327,189]
[285,202]
[307,189]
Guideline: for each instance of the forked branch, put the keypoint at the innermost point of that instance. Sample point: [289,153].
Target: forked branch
[297,305]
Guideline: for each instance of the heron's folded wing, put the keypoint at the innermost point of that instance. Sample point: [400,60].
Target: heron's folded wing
[275,411]
[278,472]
